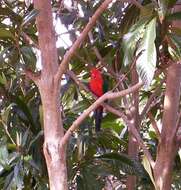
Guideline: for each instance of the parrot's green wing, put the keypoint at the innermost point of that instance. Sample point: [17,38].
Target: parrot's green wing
[105,84]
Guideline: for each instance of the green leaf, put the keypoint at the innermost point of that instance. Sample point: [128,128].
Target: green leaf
[4,33]
[18,175]
[25,137]
[162,9]
[110,121]
[176,31]
[24,107]
[31,16]
[124,163]
[174,16]
[146,62]
[9,55]
[175,47]
[117,156]
[179,153]
[3,153]
[29,56]
[147,167]
[36,138]
[164,6]
[3,79]
[131,39]
[130,17]
[9,182]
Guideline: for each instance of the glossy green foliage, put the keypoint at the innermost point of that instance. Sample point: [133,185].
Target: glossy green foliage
[121,33]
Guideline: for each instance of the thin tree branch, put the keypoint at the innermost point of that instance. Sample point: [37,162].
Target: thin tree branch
[29,40]
[35,77]
[134,131]
[107,96]
[154,125]
[67,57]
[131,127]
[105,105]
[7,132]
[136,3]
[178,123]
[150,100]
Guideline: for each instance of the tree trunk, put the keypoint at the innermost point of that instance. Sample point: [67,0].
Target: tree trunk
[55,154]
[133,145]
[49,87]
[167,146]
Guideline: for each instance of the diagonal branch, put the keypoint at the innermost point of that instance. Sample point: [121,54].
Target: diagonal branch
[131,127]
[151,99]
[35,77]
[83,86]
[107,96]
[67,57]
[154,125]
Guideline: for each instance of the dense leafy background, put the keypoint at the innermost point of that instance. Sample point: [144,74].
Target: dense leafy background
[122,33]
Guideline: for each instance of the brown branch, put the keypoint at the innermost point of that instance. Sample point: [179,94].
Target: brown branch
[154,125]
[67,57]
[136,3]
[177,123]
[107,96]
[35,77]
[134,131]
[131,127]
[150,100]
[106,106]
[29,40]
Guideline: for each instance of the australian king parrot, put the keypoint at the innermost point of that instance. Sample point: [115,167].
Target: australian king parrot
[98,87]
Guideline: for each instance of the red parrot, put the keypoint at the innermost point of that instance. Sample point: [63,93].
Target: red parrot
[96,85]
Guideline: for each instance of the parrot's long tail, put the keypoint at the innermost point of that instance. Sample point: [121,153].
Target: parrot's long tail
[98,118]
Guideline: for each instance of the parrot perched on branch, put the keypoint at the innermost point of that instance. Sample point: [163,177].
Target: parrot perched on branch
[96,85]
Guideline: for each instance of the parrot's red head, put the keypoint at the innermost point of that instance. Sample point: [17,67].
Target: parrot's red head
[96,82]
[96,74]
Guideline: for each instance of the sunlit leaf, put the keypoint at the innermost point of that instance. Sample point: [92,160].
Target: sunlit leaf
[4,33]
[147,167]
[31,16]
[131,39]
[146,62]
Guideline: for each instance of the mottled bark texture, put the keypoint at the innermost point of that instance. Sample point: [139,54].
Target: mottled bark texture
[55,153]
[167,146]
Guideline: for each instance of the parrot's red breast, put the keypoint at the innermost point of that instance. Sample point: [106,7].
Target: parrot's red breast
[96,82]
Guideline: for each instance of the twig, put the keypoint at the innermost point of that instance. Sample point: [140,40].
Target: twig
[178,123]
[29,40]
[7,132]
[67,57]
[35,77]
[136,3]
[154,125]
[152,97]
[131,68]
[134,131]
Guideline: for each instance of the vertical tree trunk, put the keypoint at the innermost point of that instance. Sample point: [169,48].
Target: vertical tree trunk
[133,145]
[55,153]
[167,145]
